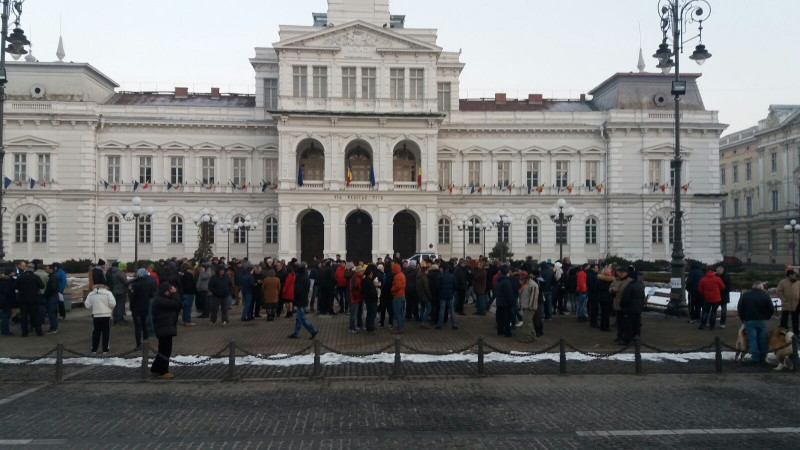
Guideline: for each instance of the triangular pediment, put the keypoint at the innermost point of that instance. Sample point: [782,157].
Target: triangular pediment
[31,141]
[112,145]
[174,146]
[143,145]
[239,147]
[356,35]
[206,146]
[665,150]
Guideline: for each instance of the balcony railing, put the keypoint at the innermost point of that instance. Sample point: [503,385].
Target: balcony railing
[406,186]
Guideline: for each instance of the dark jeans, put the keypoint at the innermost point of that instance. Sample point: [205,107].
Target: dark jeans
[412,307]
[186,311]
[503,319]
[341,297]
[203,303]
[712,309]
[633,326]
[695,306]
[255,306]
[119,309]
[247,300]
[594,309]
[384,309]
[102,328]
[219,303]
[372,311]
[301,321]
[314,296]
[446,304]
[325,300]
[605,315]
[161,362]
[356,310]
[62,310]
[620,325]
[140,328]
[52,312]
[785,319]
[5,320]
[548,305]
[461,298]
[29,314]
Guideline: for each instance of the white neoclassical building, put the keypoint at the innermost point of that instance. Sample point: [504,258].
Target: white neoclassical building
[355,143]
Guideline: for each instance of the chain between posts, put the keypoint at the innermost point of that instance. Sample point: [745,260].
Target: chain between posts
[521,354]
[599,355]
[357,355]
[677,352]
[435,353]
[27,361]
[275,357]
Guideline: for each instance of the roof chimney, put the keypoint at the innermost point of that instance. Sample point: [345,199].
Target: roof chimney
[534,99]
[215,92]
[583,97]
[499,98]
[181,92]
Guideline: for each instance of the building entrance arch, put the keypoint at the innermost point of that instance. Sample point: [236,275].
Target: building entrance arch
[358,237]
[405,234]
[312,236]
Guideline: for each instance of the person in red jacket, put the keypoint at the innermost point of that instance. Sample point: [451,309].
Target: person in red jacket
[341,286]
[399,298]
[287,290]
[582,292]
[711,288]
[356,299]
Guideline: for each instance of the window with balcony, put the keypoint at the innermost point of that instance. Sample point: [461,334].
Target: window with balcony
[474,173]
[655,173]
[562,174]
[271,171]
[239,172]
[208,169]
[20,167]
[114,169]
[504,173]
[445,173]
[176,169]
[532,174]
[145,169]
[44,167]
[591,174]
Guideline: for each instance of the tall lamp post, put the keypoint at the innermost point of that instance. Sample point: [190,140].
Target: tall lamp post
[501,220]
[16,46]
[133,213]
[226,228]
[463,228]
[561,218]
[205,222]
[793,227]
[676,17]
[485,227]
[248,225]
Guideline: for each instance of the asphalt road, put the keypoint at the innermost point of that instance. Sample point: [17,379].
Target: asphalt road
[654,411]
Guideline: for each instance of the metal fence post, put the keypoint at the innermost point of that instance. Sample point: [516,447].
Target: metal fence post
[396,370]
[317,365]
[481,371]
[562,366]
[145,361]
[718,354]
[637,343]
[795,357]
[232,361]
[59,363]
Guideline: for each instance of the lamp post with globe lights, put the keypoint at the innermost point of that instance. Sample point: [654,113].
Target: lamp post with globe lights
[227,228]
[485,227]
[463,226]
[502,221]
[793,227]
[205,221]
[561,218]
[132,214]
[248,225]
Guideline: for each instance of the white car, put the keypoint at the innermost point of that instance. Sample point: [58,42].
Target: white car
[421,256]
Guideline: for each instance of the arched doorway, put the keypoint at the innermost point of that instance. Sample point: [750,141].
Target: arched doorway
[405,234]
[312,236]
[359,237]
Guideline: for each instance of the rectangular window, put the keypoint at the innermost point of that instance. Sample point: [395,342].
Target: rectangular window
[21,229]
[532,174]
[773,160]
[590,231]
[724,209]
[113,231]
[655,173]
[300,81]
[503,233]
[722,176]
[748,204]
[474,173]
[735,171]
[20,167]
[749,241]
[724,242]
[114,169]
[271,171]
[348,82]
[444,231]
[44,168]
[417,84]
[774,195]
[561,234]
[397,84]
[562,174]
[736,207]
[445,173]
[320,82]
[504,173]
[176,169]
[208,169]
[443,96]
[591,174]
[748,171]
[239,171]
[773,240]
[145,230]
[368,78]
[145,169]
[271,93]
[736,241]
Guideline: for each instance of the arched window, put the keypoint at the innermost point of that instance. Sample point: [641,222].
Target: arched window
[271,227]
[405,164]
[444,230]
[590,227]
[359,160]
[21,229]
[533,231]
[176,230]
[474,231]
[504,232]
[671,236]
[312,160]
[239,234]
[145,229]
[112,230]
[40,229]
[657,226]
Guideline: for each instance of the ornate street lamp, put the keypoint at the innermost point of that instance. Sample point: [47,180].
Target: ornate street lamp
[561,218]
[485,227]
[793,227]
[205,221]
[248,225]
[463,226]
[502,221]
[16,47]
[227,228]
[132,213]
[676,17]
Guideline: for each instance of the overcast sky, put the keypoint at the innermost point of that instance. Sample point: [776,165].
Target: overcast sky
[557,48]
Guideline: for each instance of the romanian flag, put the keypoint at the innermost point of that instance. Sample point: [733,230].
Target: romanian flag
[685,187]
[115,187]
[663,188]
[571,187]
[146,184]
[540,189]
[450,187]
[480,189]
[509,187]
[275,187]
[20,182]
[44,183]
[244,186]
[211,185]
[349,175]
[599,187]
[419,176]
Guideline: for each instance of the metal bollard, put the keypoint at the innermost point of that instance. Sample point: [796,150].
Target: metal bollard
[562,366]
[317,365]
[59,363]
[637,345]
[481,372]
[396,369]
[795,358]
[718,354]
[232,362]
[145,361]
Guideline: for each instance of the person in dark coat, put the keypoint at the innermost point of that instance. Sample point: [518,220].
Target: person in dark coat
[28,298]
[188,293]
[592,305]
[327,286]
[302,285]
[447,288]
[547,285]
[755,308]
[99,274]
[506,297]
[726,294]
[462,282]
[142,288]
[166,308]
[433,278]
[632,302]
[605,299]
[247,285]
[695,299]
[369,291]
[412,300]
[8,301]
[385,306]
[51,297]
[258,294]
[220,286]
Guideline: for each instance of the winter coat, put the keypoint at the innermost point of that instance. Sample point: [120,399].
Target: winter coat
[479,281]
[258,293]
[339,276]
[327,280]
[356,292]
[62,280]
[504,292]
[302,286]
[529,296]
[726,294]
[591,283]
[548,276]
[287,289]
[386,286]
[142,290]
[446,285]
[398,282]
[411,282]
[755,305]
[616,289]
[271,288]
[491,271]
[461,278]
[220,285]
[202,280]
[424,293]
[188,284]
[42,274]
[247,282]
[120,282]
[694,277]
[100,301]
[603,294]
[580,285]
[8,299]
[28,285]
[98,276]
[165,315]
[788,293]
[711,288]
[633,298]
[369,291]
[51,287]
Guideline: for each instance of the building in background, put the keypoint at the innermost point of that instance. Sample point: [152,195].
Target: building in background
[355,143]
[760,179]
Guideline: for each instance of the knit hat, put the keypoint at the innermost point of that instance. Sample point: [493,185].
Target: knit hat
[412,264]
[123,266]
[141,273]
[100,262]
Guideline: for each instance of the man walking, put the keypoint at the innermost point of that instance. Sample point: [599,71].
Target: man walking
[755,308]
[302,285]
[788,293]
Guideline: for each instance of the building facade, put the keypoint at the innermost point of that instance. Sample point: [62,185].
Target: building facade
[760,179]
[355,143]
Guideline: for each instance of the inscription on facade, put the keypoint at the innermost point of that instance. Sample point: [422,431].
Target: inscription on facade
[357,197]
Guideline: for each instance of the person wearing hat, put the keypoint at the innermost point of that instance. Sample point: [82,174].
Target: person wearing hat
[166,308]
[617,287]
[142,289]
[220,286]
[632,302]
[98,273]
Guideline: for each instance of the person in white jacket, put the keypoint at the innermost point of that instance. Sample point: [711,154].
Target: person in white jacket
[101,302]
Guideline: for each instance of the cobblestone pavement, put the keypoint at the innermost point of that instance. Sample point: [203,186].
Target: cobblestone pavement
[663,411]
